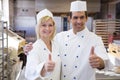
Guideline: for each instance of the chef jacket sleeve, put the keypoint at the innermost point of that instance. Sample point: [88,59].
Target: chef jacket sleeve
[34,67]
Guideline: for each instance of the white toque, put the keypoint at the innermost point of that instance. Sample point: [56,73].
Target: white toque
[78,6]
[43,13]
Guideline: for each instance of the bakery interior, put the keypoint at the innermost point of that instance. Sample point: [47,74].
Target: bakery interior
[18,19]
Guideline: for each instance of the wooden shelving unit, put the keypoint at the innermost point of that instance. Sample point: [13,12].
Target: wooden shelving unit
[104,28]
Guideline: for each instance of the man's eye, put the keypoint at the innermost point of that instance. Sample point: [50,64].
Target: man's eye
[75,17]
[82,17]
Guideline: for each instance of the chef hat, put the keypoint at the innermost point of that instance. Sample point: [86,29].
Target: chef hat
[44,13]
[78,6]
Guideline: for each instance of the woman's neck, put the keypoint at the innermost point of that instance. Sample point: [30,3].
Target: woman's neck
[48,44]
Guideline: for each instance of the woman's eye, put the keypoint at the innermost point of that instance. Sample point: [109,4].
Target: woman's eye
[44,25]
[51,25]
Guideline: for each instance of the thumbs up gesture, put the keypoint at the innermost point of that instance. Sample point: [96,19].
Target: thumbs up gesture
[95,61]
[49,65]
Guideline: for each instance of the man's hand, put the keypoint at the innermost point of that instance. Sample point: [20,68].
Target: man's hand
[28,47]
[95,61]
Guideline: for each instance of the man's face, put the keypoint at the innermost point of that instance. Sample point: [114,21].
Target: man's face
[78,21]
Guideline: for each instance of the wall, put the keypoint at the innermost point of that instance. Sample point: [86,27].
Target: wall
[112,11]
[108,10]
[64,5]
[25,18]
[5,11]
[104,11]
[118,10]
[11,13]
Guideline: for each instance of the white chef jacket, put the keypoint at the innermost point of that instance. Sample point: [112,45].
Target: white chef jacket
[75,52]
[36,59]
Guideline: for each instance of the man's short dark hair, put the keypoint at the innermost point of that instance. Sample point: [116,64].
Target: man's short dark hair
[86,14]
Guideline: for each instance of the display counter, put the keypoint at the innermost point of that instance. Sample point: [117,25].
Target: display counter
[113,72]
[107,75]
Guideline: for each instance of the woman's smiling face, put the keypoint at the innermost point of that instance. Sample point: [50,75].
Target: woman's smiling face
[47,29]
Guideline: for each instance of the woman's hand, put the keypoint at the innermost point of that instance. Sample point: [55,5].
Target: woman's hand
[48,66]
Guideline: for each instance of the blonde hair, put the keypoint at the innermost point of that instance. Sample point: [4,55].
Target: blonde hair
[42,20]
